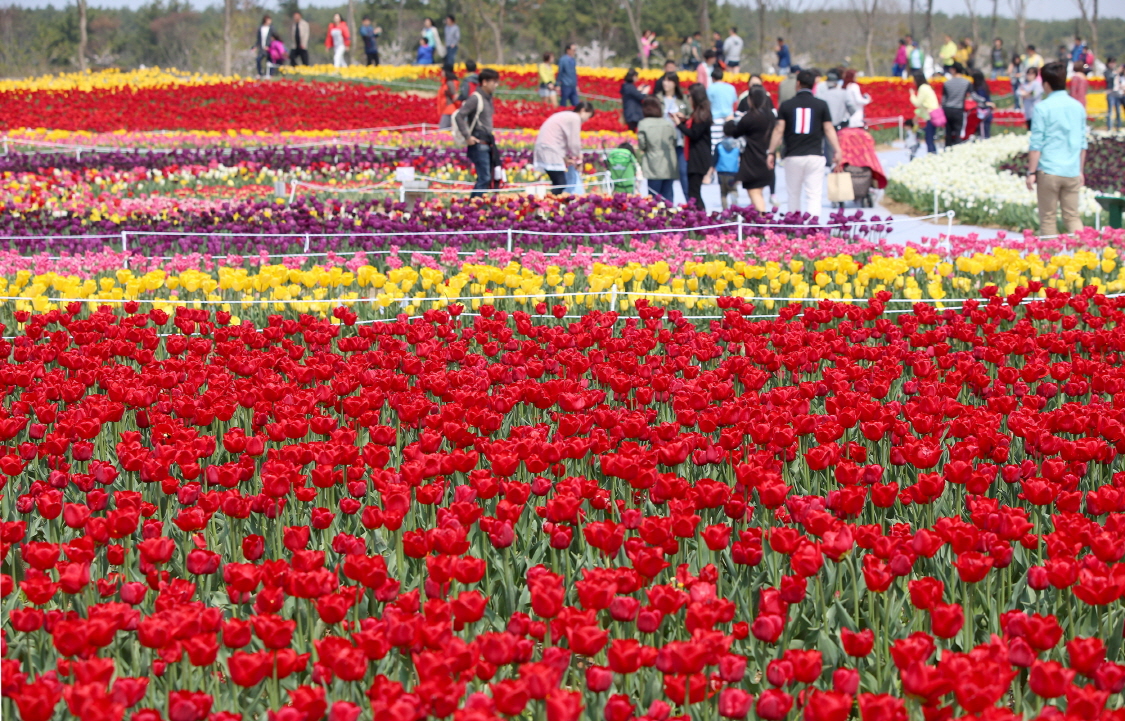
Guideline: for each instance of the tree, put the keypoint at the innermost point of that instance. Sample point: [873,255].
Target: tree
[227,50]
[992,23]
[1019,9]
[82,36]
[356,39]
[866,12]
[763,5]
[929,30]
[633,13]
[705,19]
[1089,11]
[971,6]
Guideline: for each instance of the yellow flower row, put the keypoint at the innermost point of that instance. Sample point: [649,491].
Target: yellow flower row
[158,77]
[113,79]
[913,276]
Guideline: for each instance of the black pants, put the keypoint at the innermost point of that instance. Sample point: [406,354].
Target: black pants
[558,181]
[298,54]
[263,61]
[373,57]
[954,121]
[695,188]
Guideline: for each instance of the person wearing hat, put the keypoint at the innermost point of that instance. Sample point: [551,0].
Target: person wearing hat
[840,106]
[787,88]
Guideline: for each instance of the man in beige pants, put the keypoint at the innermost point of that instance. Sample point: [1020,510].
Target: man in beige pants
[804,122]
[1058,153]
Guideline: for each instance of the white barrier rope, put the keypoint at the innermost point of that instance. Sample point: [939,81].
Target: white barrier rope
[534,296]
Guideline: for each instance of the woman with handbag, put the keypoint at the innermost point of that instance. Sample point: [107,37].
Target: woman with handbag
[927,110]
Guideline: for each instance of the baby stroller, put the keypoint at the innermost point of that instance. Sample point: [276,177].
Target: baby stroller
[857,147]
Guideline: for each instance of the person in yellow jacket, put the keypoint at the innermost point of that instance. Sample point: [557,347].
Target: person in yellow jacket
[965,53]
[948,52]
[925,101]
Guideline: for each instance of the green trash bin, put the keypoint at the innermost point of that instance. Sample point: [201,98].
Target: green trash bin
[1113,205]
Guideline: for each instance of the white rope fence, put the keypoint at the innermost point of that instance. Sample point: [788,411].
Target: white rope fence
[612,292]
[739,225]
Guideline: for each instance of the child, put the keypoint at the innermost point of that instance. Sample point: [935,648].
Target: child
[425,53]
[726,165]
[277,53]
[910,137]
[622,163]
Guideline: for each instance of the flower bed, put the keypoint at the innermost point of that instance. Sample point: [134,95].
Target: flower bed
[320,224]
[77,185]
[674,271]
[967,180]
[280,105]
[166,100]
[33,140]
[488,516]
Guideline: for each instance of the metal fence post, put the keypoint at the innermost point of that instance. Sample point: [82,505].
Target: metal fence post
[949,222]
[306,243]
[901,129]
[509,240]
[125,247]
[935,201]
[740,229]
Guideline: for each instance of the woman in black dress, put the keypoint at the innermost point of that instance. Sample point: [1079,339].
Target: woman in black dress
[697,141]
[756,126]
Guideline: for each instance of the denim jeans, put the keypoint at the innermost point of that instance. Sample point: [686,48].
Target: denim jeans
[681,162]
[450,56]
[573,186]
[665,188]
[263,62]
[1116,103]
[931,133]
[480,155]
[568,95]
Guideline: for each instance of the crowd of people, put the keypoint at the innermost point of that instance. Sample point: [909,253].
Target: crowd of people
[715,134]
[272,52]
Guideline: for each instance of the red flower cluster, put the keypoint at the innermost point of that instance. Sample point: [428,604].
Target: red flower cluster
[832,510]
[282,105]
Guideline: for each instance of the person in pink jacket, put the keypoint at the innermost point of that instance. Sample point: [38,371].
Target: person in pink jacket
[338,39]
[559,144]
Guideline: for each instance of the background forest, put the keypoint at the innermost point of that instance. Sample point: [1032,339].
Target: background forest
[863,34]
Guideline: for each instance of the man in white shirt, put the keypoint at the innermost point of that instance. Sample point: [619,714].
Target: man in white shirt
[263,45]
[732,50]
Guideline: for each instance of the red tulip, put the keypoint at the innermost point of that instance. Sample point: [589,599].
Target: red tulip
[734,703]
[1049,679]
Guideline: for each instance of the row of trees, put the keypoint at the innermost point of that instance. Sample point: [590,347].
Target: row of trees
[218,38]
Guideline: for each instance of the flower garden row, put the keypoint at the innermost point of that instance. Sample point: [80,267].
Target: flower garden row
[157,102]
[983,181]
[836,512]
[151,183]
[675,271]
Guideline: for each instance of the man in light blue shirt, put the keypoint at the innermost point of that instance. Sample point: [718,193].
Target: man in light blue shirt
[567,77]
[722,95]
[1058,152]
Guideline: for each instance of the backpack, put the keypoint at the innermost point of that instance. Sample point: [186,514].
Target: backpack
[726,155]
[459,140]
[622,165]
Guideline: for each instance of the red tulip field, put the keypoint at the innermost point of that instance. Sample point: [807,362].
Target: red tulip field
[840,512]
